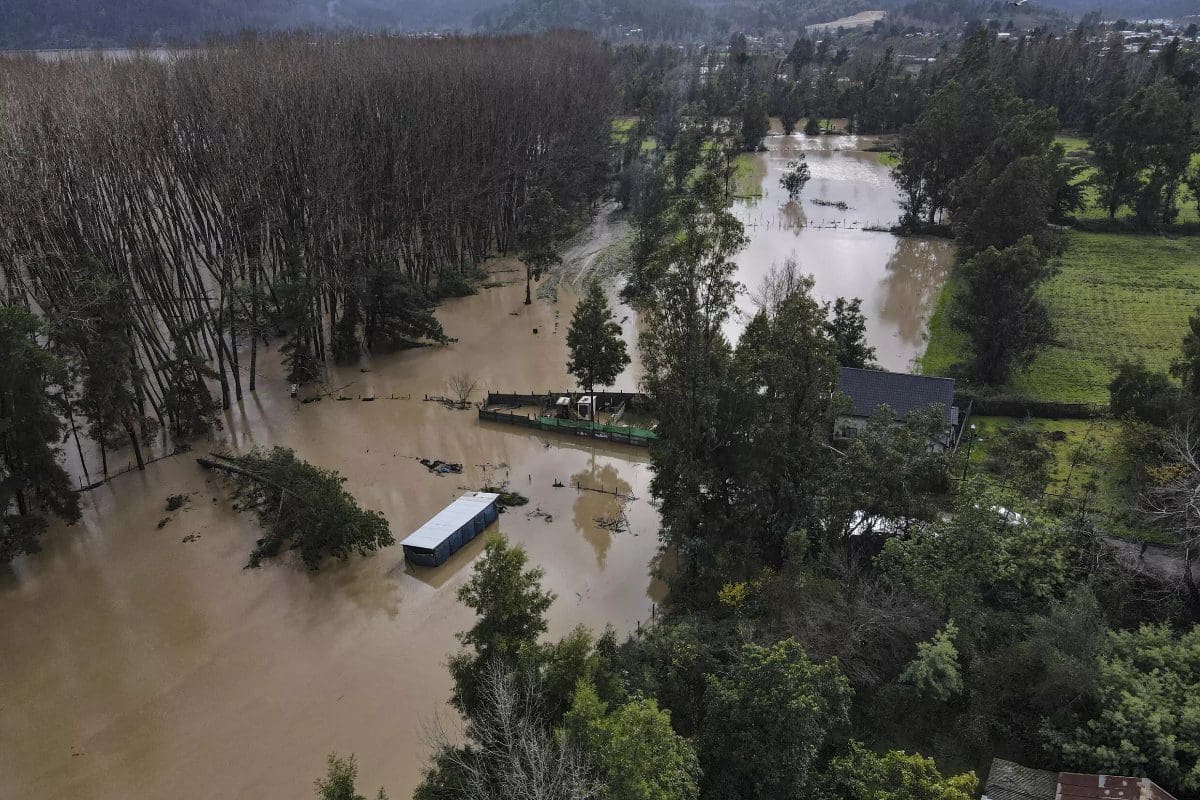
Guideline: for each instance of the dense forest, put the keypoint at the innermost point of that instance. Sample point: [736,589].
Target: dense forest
[163,221]
[86,23]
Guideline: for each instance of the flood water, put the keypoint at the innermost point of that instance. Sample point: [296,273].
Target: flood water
[139,661]
[898,278]
[144,662]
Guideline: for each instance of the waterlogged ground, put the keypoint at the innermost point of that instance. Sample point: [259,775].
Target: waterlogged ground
[144,662]
[897,278]
[139,661]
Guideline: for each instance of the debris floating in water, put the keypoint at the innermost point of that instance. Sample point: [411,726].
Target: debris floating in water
[441,467]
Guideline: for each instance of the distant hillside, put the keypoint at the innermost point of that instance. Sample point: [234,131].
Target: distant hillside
[82,23]
[690,19]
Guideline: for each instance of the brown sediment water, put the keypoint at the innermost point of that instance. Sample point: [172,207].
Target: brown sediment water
[144,662]
[898,278]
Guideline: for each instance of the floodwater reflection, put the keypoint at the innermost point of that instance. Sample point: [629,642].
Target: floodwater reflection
[825,230]
[134,658]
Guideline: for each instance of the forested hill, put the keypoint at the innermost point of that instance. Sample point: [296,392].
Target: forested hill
[674,20]
[83,23]
[670,19]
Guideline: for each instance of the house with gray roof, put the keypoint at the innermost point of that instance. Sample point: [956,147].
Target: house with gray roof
[871,389]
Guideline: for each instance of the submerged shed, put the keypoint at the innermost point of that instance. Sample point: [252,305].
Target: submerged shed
[451,528]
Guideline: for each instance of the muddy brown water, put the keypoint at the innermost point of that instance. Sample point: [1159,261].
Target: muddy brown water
[135,664]
[897,278]
[144,662]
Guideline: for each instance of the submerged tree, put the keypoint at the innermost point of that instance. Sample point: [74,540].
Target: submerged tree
[795,177]
[510,606]
[32,481]
[597,351]
[338,783]
[301,507]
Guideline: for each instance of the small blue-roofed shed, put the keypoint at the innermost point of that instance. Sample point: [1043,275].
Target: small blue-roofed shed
[451,528]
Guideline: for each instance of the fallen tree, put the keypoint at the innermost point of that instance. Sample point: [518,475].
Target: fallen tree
[300,507]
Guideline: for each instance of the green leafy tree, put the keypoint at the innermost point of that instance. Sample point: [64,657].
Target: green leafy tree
[934,672]
[540,224]
[755,122]
[847,327]
[510,608]
[999,309]
[785,369]
[1146,711]
[1012,189]
[895,775]
[959,124]
[338,783]
[978,552]
[888,471]
[768,718]
[300,507]
[791,108]
[1187,366]
[91,326]
[31,479]
[1192,179]
[633,748]
[597,351]
[684,353]
[794,178]
[1141,153]
[1139,392]
[1020,458]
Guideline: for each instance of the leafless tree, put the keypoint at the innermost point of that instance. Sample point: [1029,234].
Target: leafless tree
[322,189]
[1173,504]
[462,386]
[510,753]
[781,282]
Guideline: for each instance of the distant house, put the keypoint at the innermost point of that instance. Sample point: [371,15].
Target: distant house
[870,389]
[1007,780]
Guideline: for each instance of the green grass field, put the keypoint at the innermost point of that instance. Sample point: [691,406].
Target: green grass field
[1116,297]
[748,173]
[622,128]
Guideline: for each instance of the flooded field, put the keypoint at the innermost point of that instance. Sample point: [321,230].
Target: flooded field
[897,278]
[139,661]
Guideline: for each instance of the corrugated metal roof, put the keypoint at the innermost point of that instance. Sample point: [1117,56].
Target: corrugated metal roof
[868,389]
[450,519]
[1078,786]
[1007,780]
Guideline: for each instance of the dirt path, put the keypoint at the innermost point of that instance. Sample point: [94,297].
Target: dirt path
[583,253]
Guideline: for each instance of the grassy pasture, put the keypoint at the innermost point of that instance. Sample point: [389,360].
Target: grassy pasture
[1115,297]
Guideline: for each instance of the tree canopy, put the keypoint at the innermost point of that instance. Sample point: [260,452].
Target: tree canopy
[597,351]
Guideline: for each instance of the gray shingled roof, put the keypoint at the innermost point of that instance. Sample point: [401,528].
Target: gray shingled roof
[868,389]
[1007,780]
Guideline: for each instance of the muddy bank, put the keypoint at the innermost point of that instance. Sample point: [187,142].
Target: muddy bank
[139,661]
[897,278]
